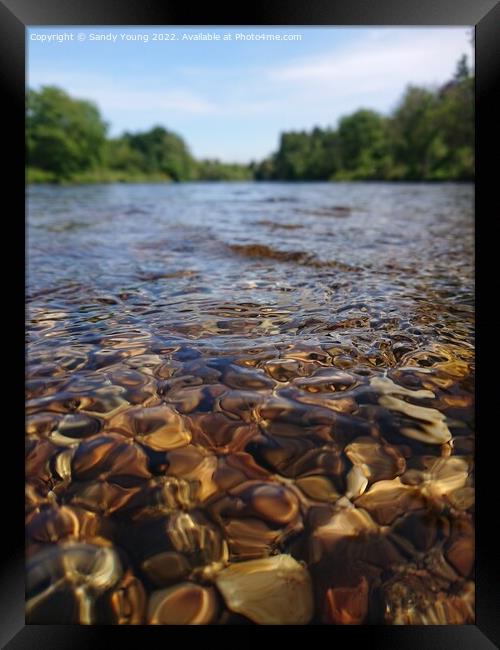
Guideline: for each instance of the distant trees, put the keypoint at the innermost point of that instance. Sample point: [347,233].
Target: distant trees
[364,146]
[215,170]
[121,157]
[302,156]
[64,135]
[428,136]
[161,151]
[66,141]
[455,117]
[433,131]
[416,145]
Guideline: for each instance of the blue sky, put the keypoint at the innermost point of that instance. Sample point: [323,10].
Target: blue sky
[230,99]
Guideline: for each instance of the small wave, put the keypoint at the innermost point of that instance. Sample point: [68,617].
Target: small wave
[280,199]
[135,210]
[261,251]
[166,275]
[67,226]
[266,252]
[273,225]
[333,211]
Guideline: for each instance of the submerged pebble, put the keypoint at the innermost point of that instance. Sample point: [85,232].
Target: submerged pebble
[184,604]
[270,591]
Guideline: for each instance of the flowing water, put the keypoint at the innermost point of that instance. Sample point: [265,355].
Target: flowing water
[250,403]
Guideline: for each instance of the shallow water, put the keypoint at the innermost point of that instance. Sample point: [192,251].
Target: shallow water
[220,373]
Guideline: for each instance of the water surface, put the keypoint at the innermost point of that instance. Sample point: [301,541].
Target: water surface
[225,373]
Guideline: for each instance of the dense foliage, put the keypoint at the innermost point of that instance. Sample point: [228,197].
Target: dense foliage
[156,151]
[429,136]
[215,170]
[64,135]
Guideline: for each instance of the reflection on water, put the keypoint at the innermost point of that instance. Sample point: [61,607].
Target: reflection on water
[250,403]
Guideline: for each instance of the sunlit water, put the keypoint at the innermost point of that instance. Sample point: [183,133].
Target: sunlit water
[225,373]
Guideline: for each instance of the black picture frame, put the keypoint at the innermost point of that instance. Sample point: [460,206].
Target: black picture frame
[15,16]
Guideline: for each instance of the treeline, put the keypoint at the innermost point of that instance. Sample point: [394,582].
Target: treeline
[67,142]
[429,136]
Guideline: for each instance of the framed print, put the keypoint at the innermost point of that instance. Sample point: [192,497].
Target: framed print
[253,252]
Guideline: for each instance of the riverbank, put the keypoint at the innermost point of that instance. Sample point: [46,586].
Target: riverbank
[36,176]
[40,177]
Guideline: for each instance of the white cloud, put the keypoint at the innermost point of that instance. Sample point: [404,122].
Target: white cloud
[111,95]
[382,59]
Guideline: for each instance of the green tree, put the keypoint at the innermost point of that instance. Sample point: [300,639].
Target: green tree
[64,135]
[454,117]
[291,159]
[119,155]
[433,130]
[163,151]
[215,170]
[364,145]
[324,158]
[462,71]
[416,139]
[266,170]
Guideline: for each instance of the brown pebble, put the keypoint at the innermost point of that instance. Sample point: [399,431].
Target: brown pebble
[165,568]
[159,427]
[347,605]
[460,548]
[377,461]
[127,601]
[185,604]
[55,523]
[109,455]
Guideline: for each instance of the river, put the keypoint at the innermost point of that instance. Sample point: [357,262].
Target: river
[228,373]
